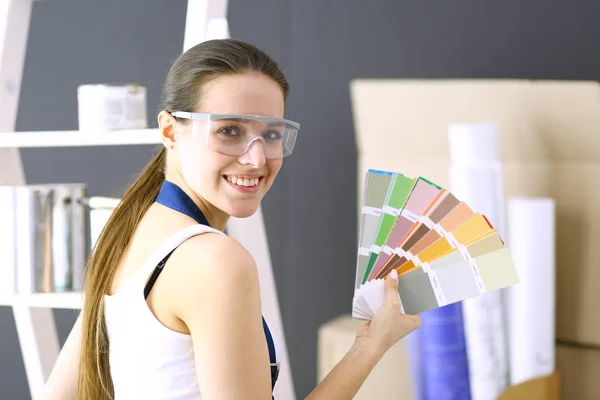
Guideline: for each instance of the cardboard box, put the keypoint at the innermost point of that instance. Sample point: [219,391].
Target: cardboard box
[390,379]
[542,388]
[550,146]
[580,369]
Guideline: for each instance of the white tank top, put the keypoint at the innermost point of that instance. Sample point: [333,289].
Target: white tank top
[147,359]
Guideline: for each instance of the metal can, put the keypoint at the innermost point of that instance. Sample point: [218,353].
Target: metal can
[108,107]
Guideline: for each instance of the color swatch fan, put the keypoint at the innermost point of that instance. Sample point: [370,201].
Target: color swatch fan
[443,251]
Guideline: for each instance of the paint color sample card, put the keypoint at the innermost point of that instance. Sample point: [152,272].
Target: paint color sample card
[377,184]
[423,233]
[397,197]
[458,215]
[443,250]
[421,197]
[469,231]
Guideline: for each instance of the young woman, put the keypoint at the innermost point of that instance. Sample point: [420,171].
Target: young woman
[172,305]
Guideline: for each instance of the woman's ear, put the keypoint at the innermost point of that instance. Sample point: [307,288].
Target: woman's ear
[166,126]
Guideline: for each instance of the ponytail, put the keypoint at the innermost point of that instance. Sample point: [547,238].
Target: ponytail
[94,380]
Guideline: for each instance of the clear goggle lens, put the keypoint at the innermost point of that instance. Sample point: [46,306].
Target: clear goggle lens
[235,134]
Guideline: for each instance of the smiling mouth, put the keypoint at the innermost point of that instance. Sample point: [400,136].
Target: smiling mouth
[243,181]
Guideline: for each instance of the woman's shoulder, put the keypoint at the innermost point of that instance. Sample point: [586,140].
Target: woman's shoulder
[200,253]
[211,264]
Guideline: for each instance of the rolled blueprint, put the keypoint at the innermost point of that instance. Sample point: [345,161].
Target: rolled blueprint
[531,303]
[476,178]
[443,354]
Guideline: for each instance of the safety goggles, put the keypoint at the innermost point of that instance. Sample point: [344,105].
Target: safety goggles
[235,134]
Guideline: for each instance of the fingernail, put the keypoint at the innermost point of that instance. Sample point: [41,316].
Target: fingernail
[394,274]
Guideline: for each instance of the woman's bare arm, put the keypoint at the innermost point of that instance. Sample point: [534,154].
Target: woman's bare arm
[373,340]
[62,382]
[216,294]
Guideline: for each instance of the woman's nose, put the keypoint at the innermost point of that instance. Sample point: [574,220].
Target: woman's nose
[255,154]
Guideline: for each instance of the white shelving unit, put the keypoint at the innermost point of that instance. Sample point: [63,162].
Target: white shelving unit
[70,300]
[205,19]
[78,139]
[50,139]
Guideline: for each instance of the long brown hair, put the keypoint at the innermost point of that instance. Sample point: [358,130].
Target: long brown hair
[181,92]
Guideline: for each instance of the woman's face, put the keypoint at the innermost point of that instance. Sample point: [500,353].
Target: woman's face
[235,185]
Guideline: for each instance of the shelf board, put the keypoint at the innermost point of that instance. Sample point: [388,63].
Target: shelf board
[42,139]
[68,300]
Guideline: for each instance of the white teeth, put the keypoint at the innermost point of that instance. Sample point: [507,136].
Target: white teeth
[243,181]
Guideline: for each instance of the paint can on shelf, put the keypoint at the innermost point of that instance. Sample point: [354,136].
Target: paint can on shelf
[107,107]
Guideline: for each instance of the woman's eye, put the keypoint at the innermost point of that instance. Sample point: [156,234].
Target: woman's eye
[273,135]
[229,131]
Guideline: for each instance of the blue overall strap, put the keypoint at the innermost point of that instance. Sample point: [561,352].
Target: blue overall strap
[272,354]
[174,197]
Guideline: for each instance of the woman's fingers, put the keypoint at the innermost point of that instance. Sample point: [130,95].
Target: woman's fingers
[391,288]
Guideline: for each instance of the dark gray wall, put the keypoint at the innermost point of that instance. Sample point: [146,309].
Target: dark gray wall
[322,45]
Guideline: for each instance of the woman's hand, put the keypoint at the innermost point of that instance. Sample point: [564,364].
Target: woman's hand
[389,324]
[373,340]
